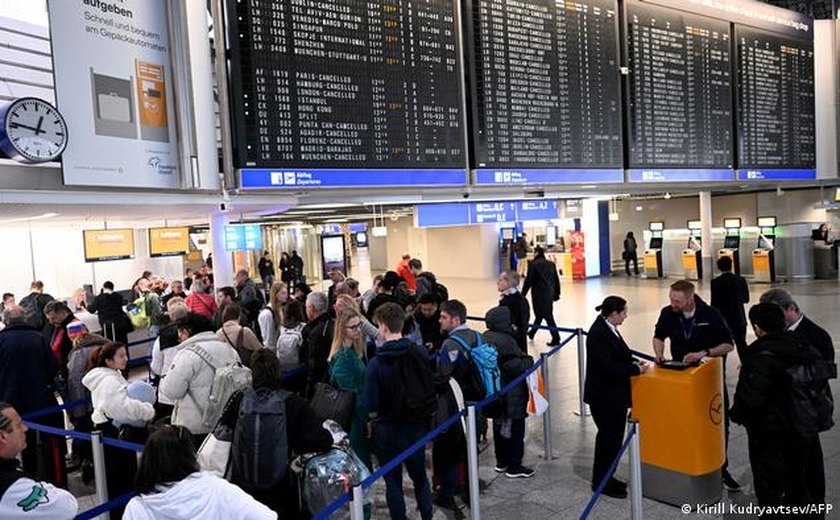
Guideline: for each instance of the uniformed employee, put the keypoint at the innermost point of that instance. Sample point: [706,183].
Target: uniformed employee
[695,331]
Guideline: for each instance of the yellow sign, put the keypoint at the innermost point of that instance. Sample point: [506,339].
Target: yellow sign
[169,241]
[689,261]
[650,261]
[761,262]
[108,244]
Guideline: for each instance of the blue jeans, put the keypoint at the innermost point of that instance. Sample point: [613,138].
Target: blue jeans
[391,440]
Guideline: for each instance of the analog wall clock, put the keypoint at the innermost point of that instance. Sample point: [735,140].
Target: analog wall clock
[32,131]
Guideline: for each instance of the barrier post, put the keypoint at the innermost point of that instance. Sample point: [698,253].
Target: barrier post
[547,437]
[472,462]
[636,511]
[99,475]
[357,503]
[583,410]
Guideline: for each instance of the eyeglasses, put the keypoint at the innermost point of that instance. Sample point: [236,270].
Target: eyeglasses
[354,327]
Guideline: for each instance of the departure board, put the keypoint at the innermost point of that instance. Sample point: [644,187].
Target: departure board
[679,94]
[775,102]
[546,85]
[347,85]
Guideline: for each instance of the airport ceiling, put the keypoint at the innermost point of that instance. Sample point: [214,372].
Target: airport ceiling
[818,9]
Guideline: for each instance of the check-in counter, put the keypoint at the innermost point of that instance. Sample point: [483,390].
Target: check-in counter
[681,432]
[692,264]
[825,262]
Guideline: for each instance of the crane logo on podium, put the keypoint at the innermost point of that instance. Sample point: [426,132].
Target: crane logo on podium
[716,409]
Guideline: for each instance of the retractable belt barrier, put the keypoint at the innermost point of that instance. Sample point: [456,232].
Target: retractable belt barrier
[468,412]
[104,506]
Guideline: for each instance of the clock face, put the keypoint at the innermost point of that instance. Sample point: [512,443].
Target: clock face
[34,131]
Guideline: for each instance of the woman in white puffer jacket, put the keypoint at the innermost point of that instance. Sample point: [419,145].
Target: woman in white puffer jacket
[111,404]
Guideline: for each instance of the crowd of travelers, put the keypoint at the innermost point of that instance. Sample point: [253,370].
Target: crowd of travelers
[368,374]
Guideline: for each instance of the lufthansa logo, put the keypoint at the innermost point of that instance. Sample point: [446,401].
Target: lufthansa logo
[716,410]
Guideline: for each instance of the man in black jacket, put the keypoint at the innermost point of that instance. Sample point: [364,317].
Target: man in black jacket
[317,340]
[729,294]
[108,305]
[777,451]
[27,372]
[818,338]
[542,278]
[517,305]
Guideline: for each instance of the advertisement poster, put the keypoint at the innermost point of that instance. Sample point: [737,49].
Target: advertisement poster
[578,250]
[332,249]
[113,83]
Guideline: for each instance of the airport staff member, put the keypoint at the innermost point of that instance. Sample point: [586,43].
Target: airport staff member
[609,367]
[695,331]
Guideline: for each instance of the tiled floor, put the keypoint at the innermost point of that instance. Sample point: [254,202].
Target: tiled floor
[560,488]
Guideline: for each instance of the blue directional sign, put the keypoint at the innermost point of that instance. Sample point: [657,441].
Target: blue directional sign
[536,210]
[490,176]
[243,237]
[776,175]
[358,227]
[256,178]
[467,213]
[491,212]
[680,175]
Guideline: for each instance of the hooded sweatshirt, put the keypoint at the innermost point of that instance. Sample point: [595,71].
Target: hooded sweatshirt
[76,365]
[109,393]
[512,361]
[200,495]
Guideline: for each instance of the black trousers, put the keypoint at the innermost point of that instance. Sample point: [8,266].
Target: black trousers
[549,321]
[120,467]
[778,467]
[610,421]
[815,473]
[635,261]
[740,337]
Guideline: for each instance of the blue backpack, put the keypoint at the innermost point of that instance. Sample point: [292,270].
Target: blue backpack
[484,360]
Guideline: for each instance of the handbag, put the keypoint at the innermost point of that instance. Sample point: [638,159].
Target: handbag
[214,453]
[331,403]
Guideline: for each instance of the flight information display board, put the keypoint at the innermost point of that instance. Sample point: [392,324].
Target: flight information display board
[775,105]
[344,92]
[546,90]
[680,123]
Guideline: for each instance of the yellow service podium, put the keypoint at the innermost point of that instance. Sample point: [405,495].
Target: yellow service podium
[692,264]
[681,432]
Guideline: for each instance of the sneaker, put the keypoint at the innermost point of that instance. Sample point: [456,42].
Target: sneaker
[519,472]
[730,483]
[500,469]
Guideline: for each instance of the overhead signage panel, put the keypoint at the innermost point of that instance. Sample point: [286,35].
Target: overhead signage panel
[332,178]
[468,213]
[243,237]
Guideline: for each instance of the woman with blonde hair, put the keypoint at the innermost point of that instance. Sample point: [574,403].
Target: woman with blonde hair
[345,302]
[347,372]
[270,318]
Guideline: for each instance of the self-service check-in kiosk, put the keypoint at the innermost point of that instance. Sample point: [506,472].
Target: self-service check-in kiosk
[731,243]
[691,259]
[653,254]
[763,256]
[681,432]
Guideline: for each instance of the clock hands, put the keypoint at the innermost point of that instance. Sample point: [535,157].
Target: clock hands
[37,129]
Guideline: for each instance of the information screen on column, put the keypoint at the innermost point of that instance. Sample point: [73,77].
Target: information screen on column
[679,95]
[546,90]
[775,105]
[370,87]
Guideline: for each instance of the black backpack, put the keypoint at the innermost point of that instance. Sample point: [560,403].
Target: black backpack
[259,455]
[413,392]
[437,289]
[33,309]
[811,405]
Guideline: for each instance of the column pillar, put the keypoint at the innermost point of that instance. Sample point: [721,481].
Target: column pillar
[222,260]
[707,252]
